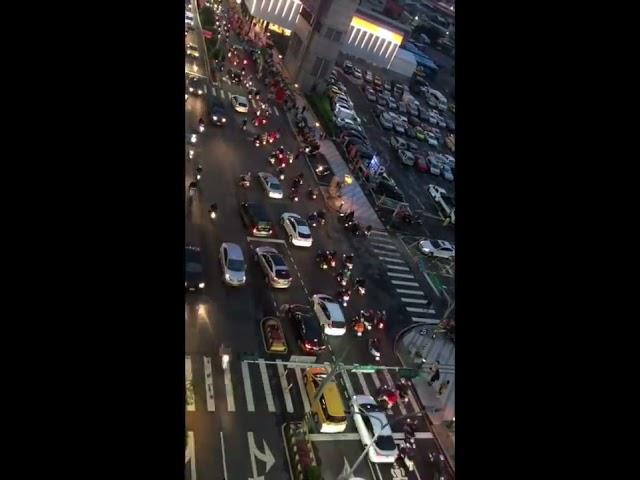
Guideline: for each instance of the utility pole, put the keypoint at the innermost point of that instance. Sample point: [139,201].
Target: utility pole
[335,368]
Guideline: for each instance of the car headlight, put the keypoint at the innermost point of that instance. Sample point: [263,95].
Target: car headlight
[201,285]
[227,277]
[191,89]
[224,120]
[199,92]
[185,284]
[215,117]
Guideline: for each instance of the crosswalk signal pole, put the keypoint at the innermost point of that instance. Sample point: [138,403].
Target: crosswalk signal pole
[335,368]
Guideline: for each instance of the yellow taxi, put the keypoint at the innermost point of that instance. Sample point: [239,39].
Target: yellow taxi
[273,336]
[328,412]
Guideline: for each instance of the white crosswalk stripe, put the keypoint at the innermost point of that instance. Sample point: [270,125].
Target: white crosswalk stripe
[208,380]
[414,300]
[348,385]
[275,110]
[408,284]
[285,386]
[213,90]
[419,310]
[396,260]
[382,252]
[428,321]
[363,384]
[400,275]
[379,232]
[267,386]
[384,245]
[231,404]
[255,105]
[248,392]
[398,267]
[410,292]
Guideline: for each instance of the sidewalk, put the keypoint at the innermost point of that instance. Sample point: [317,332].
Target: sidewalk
[352,195]
[411,346]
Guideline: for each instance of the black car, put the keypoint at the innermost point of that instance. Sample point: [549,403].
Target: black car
[193,276]
[414,121]
[255,218]
[235,76]
[307,327]
[389,191]
[217,111]
[451,125]
[197,85]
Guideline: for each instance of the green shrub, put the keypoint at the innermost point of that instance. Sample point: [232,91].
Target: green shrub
[322,108]
[312,473]
[207,17]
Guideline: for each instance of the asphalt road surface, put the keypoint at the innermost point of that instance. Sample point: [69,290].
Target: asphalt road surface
[237,416]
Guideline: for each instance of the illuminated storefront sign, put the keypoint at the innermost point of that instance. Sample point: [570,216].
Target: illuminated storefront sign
[283,13]
[372,42]
[377,30]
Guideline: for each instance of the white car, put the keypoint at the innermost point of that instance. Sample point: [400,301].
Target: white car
[232,263]
[441,121]
[271,185]
[406,157]
[371,95]
[398,126]
[447,173]
[386,121]
[370,420]
[357,73]
[437,248]
[240,103]
[274,267]
[342,99]
[436,192]
[297,229]
[346,122]
[432,139]
[330,315]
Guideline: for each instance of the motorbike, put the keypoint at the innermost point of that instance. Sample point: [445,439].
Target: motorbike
[257,141]
[381,319]
[343,296]
[316,218]
[293,194]
[193,139]
[245,180]
[405,454]
[386,396]
[374,348]
[358,326]
[201,127]
[355,228]
[213,211]
[299,178]
[198,172]
[367,318]
[322,170]
[347,260]
[359,286]
[403,390]
[313,194]
[324,259]
[281,173]
[191,153]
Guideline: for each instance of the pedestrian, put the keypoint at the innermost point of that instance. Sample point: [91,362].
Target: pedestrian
[443,387]
[435,377]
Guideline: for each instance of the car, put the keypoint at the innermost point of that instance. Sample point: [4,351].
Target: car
[368,76]
[398,126]
[274,267]
[421,163]
[357,73]
[389,190]
[382,101]
[450,142]
[402,108]
[217,110]
[449,160]
[194,275]
[371,421]
[192,50]
[420,133]
[397,143]
[329,314]
[332,91]
[432,118]
[271,185]
[337,99]
[384,177]
[424,115]
[197,85]
[353,133]
[351,142]
[436,192]
[410,132]
[414,121]
[240,104]
[347,67]
[406,157]
[385,121]
[437,248]
[233,266]
[328,411]
[442,123]
[297,229]
[254,216]
[434,166]
[273,336]
[387,85]
[413,148]
[432,139]
[378,110]
[343,122]
[371,95]
[413,109]
[308,330]
[235,76]
[447,174]
[377,83]
[342,110]
[392,104]
[451,125]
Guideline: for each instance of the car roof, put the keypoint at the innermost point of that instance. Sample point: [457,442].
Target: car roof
[334,308]
[234,250]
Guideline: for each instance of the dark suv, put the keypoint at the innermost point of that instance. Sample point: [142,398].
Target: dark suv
[256,219]
[217,112]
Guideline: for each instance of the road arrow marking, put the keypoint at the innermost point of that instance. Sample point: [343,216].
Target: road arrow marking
[266,456]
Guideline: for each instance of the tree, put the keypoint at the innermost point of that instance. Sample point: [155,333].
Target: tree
[313,473]
[207,17]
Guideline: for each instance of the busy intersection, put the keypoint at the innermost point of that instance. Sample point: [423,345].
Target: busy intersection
[265,307]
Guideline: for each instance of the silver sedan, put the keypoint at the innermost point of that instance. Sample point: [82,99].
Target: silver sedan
[270,184]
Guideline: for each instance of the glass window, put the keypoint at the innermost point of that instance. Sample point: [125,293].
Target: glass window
[327,415]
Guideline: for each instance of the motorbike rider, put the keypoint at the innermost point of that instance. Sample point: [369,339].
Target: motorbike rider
[380,319]
[193,186]
[358,326]
[348,260]
[348,218]
[374,347]
[244,124]
[360,284]
[213,210]
[403,389]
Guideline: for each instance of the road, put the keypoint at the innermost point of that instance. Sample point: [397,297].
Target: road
[246,405]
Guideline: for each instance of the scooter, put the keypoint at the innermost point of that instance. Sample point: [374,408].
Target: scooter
[245,180]
[343,296]
[198,172]
[313,194]
[343,277]
[347,260]
[359,284]
[367,318]
[293,194]
[201,127]
[193,139]
[374,348]
[358,326]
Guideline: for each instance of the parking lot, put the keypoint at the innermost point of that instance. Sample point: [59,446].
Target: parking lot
[397,124]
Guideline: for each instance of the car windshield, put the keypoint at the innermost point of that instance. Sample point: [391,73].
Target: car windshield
[283,274]
[385,443]
[236,265]
[275,186]
[436,244]
[192,267]
[277,261]
[370,407]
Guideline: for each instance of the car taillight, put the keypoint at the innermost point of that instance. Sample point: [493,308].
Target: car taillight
[255,230]
[308,345]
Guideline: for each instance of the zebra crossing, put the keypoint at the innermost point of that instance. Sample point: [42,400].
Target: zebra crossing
[400,275]
[255,386]
[220,92]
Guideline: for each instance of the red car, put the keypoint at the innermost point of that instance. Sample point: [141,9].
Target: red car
[421,163]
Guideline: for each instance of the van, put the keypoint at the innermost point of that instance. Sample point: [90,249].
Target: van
[255,218]
[329,411]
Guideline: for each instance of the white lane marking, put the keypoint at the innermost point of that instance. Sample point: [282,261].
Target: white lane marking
[248,393]
[410,292]
[303,391]
[213,90]
[408,284]
[208,380]
[324,437]
[400,275]
[188,377]
[398,267]
[271,240]
[376,380]
[192,454]
[413,402]
[231,404]
[431,284]
[414,300]
[429,321]
[387,259]
[275,110]
[389,380]
[386,253]
[417,310]
[347,383]
[267,386]
[224,457]
[363,383]
[285,386]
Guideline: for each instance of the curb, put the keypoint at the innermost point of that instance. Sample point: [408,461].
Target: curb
[298,448]
[426,415]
